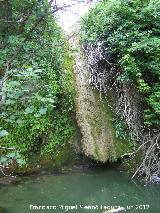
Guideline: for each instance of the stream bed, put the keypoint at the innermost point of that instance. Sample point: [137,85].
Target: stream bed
[96,188]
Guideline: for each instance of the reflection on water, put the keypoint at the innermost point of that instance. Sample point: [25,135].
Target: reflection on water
[71,14]
[99,187]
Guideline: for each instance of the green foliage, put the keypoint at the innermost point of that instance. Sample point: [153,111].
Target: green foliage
[130,32]
[36,115]
[120,128]
[12,157]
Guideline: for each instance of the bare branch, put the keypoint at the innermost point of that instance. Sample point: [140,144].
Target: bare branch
[3,86]
[6,148]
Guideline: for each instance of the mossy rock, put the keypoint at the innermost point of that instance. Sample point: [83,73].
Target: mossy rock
[121,146]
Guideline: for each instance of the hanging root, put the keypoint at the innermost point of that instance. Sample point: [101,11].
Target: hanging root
[128,106]
[103,74]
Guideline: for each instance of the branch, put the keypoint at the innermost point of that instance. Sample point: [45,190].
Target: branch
[39,20]
[1,170]
[4,92]
[132,153]
[149,157]
[6,148]
[9,61]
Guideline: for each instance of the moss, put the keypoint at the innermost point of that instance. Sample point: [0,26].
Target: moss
[96,121]
[121,146]
[66,156]
[68,64]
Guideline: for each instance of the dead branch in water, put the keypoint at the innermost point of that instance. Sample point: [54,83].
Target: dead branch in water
[150,166]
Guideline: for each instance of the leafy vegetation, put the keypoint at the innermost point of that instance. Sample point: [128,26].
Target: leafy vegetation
[129,30]
[36,80]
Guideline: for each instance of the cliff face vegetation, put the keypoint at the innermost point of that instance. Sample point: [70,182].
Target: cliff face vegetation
[99,141]
[36,82]
[121,40]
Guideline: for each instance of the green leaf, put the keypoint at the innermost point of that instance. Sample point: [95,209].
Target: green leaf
[3,133]
[3,160]
[21,161]
[29,110]
[11,155]
[43,111]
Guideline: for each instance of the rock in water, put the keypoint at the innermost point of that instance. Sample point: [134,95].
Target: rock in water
[116,210]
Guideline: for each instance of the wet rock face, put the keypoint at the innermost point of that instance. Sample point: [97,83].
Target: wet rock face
[97,137]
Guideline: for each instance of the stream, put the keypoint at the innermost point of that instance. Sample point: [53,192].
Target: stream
[87,189]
